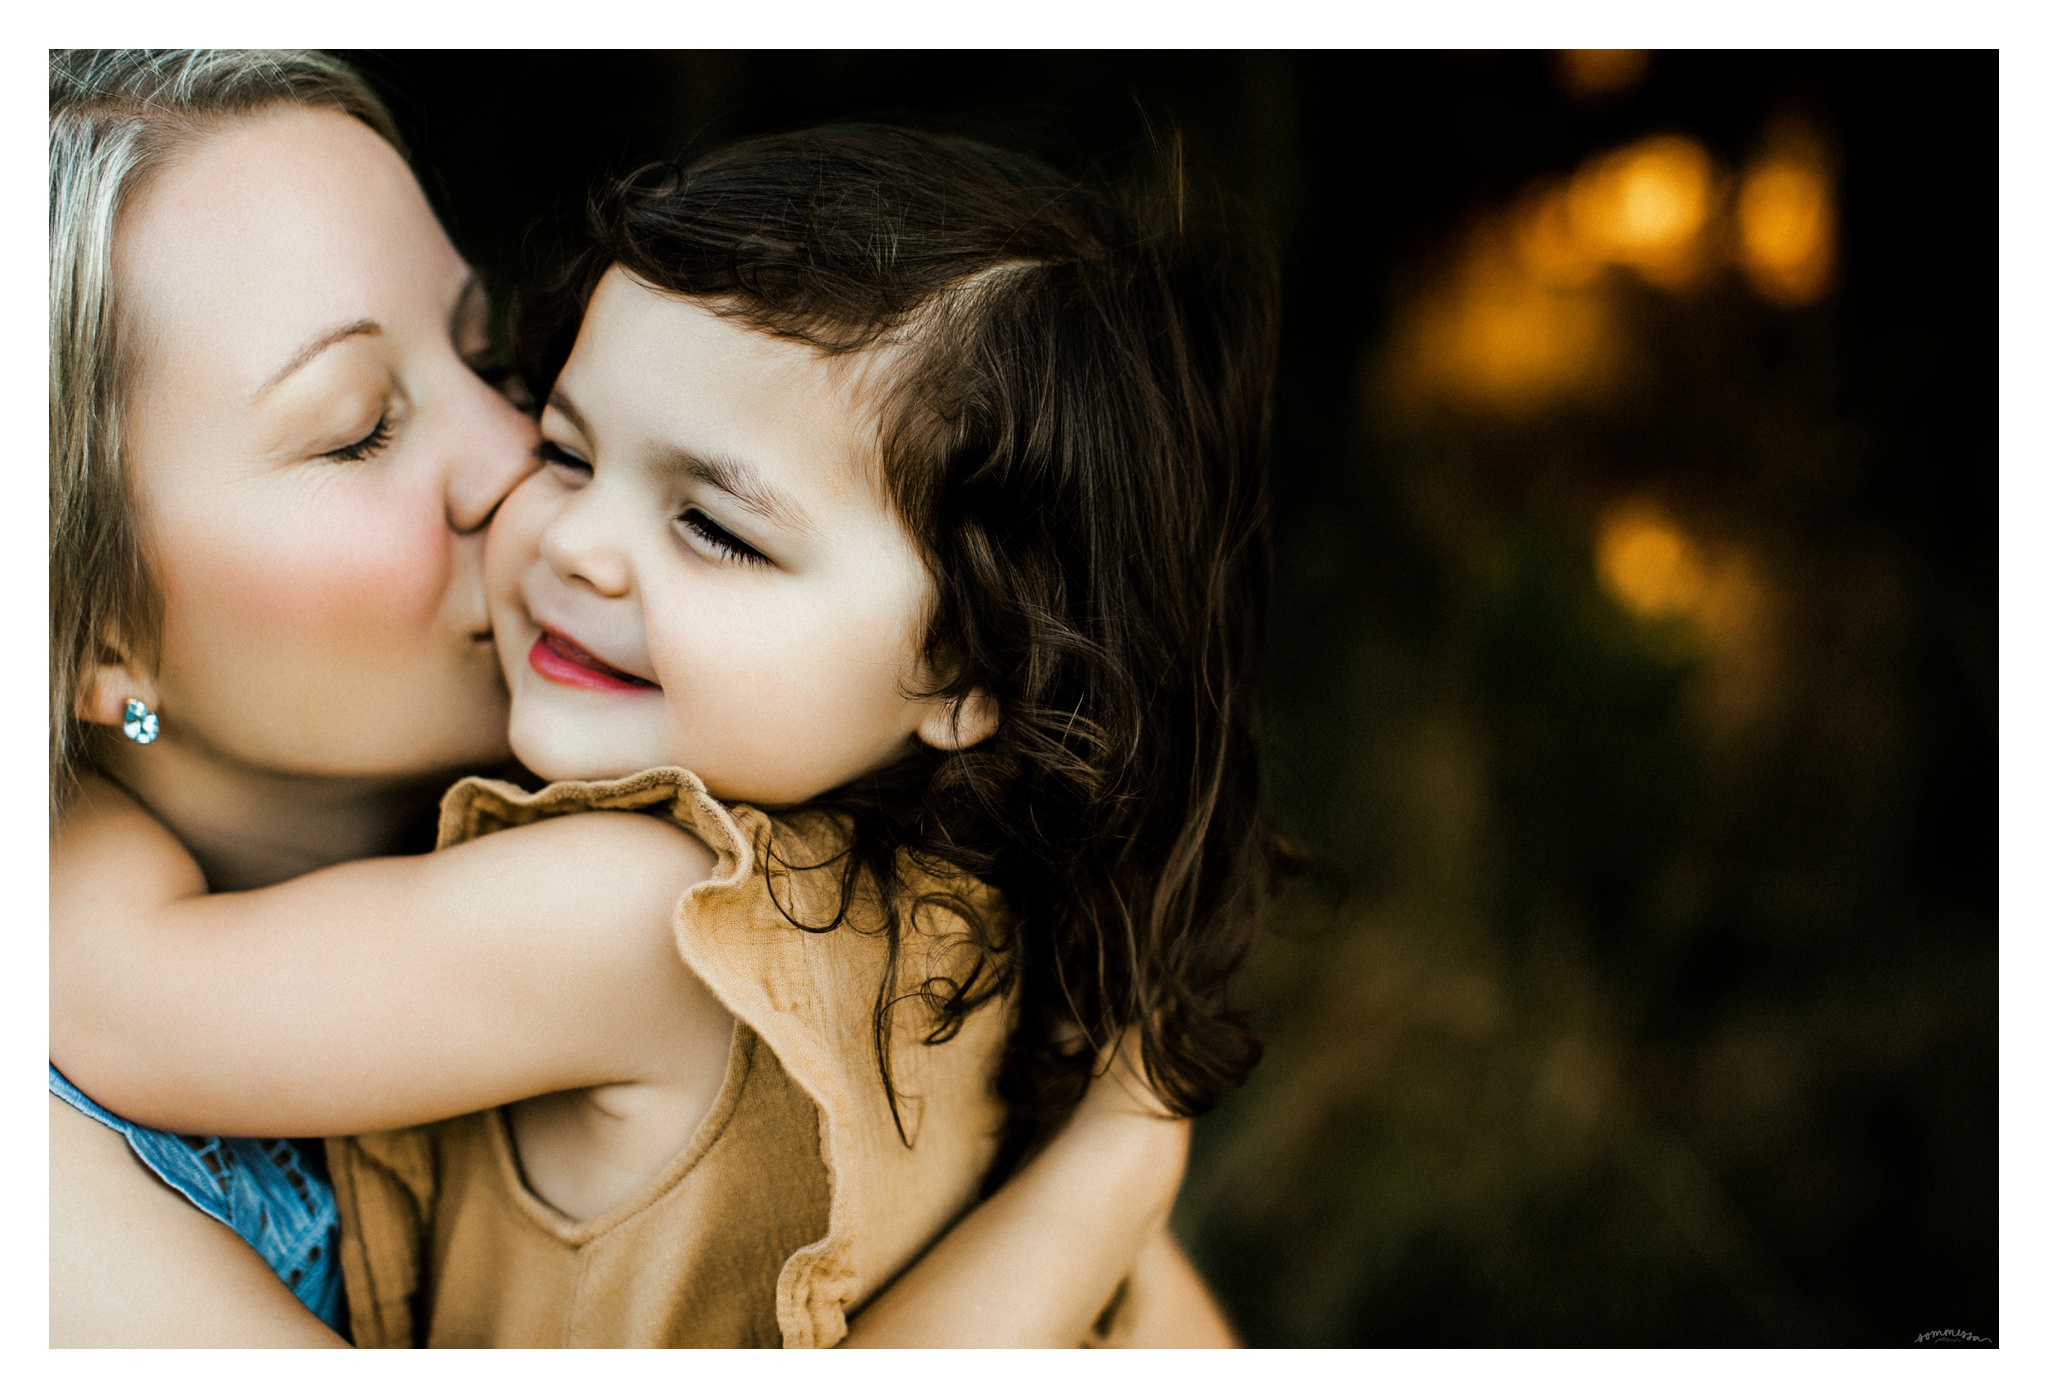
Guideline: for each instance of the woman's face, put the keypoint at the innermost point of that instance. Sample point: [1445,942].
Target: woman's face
[314,456]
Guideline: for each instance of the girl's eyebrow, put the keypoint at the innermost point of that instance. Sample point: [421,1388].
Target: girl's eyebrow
[736,479]
[723,473]
[560,402]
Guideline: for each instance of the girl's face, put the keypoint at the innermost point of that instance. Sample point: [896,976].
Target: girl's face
[705,572]
[314,456]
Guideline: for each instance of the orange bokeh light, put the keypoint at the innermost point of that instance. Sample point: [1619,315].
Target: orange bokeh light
[1528,318]
[1588,73]
[1785,226]
[1655,568]
[1548,244]
[1646,206]
[1649,565]
[1498,336]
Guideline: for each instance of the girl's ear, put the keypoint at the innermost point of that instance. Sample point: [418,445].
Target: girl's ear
[105,689]
[958,724]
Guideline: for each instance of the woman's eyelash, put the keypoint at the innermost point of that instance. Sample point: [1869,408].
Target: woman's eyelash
[379,438]
[717,536]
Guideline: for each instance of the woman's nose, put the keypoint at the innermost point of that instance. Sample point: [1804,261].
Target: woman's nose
[495,454]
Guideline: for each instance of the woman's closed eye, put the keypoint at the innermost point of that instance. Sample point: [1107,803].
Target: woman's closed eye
[362,449]
[712,535]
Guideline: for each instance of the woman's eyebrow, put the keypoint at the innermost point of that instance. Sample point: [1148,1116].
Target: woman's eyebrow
[314,347]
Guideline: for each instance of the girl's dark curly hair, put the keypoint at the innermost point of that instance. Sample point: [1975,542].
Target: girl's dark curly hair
[1075,437]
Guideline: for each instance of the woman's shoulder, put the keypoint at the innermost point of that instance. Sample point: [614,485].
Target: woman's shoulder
[106,834]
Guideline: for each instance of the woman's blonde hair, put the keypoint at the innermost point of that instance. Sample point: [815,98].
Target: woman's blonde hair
[116,115]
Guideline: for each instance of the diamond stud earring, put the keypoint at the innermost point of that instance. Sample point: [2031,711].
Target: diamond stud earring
[138,722]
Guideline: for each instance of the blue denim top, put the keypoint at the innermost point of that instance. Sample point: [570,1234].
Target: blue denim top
[261,1189]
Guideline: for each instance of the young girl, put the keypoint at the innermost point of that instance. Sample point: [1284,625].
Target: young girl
[897,488]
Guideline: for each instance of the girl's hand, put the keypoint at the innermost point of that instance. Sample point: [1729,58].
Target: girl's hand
[1121,1086]
[1082,1223]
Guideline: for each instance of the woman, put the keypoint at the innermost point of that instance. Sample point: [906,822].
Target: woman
[274,451]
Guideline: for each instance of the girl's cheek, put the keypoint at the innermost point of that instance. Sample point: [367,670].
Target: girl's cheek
[512,542]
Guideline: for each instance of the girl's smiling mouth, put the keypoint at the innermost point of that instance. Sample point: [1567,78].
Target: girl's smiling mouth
[560,659]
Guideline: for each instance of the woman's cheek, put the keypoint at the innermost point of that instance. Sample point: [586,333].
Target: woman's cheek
[378,582]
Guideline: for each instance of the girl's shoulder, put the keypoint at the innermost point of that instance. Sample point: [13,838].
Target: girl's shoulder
[790,867]
[479,806]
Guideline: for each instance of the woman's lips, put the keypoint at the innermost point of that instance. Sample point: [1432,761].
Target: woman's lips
[560,659]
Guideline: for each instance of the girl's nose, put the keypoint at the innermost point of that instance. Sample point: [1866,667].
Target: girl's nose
[494,453]
[581,548]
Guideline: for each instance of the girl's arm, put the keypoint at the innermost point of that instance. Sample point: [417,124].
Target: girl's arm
[1170,1305]
[133,1264]
[530,961]
[1037,1263]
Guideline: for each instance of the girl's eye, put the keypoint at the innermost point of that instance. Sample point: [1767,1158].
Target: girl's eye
[719,539]
[379,438]
[563,460]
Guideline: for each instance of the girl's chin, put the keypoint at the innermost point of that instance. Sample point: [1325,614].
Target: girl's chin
[554,768]
[572,762]
[562,737]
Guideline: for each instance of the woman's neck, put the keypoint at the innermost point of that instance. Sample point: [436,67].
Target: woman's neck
[248,827]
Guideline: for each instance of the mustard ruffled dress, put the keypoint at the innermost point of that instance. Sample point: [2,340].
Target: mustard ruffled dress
[797,1199]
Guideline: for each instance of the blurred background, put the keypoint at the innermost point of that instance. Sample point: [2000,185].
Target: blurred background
[1633,662]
